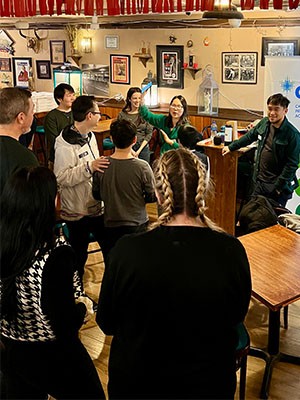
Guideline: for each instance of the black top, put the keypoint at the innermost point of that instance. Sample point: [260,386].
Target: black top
[172,298]
[13,156]
[268,170]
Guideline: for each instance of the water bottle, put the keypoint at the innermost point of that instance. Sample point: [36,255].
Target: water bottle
[228,134]
[213,129]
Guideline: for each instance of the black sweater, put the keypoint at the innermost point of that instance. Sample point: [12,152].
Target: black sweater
[172,298]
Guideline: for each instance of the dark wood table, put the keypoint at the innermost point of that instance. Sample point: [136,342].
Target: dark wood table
[101,132]
[274,257]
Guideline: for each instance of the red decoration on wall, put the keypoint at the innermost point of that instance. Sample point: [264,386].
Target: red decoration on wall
[70,7]
[264,4]
[247,4]
[24,8]
[293,4]
[277,4]
[146,7]
[79,6]
[43,7]
[189,5]
[159,6]
[88,7]
[58,7]
[207,5]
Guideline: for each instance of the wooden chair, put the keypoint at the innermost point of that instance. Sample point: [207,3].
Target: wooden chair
[242,351]
[108,146]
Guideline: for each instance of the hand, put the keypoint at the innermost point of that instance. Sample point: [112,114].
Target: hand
[99,164]
[88,305]
[225,150]
[134,153]
[166,138]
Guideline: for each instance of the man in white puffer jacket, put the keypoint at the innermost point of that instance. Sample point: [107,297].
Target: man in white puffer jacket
[76,158]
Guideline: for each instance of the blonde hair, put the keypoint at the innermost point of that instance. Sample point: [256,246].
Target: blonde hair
[182,186]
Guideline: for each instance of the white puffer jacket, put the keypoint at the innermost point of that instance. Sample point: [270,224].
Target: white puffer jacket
[73,176]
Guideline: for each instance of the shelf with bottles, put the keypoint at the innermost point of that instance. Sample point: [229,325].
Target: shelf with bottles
[193,71]
[143,57]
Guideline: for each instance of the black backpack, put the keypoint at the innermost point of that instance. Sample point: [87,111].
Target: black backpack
[257,214]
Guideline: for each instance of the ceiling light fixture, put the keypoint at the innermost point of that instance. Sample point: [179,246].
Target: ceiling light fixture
[225,11]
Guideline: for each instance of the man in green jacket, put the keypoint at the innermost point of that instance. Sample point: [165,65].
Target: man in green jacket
[58,118]
[278,151]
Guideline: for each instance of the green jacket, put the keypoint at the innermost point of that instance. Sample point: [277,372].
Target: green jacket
[54,122]
[285,147]
[159,121]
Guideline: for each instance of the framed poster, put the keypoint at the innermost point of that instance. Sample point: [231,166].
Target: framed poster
[170,66]
[57,51]
[21,71]
[239,67]
[5,65]
[120,69]
[43,69]
[6,42]
[111,42]
[279,47]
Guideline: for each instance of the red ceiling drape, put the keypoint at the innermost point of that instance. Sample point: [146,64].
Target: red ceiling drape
[25,8]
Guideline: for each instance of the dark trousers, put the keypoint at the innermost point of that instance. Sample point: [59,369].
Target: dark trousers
[79,237]
[268,190]
[112,235]
[62,369]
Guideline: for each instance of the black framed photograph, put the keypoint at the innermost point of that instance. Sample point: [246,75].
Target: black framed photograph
[57,51]
[22,71]
[170,67]
[120,69]
[5,65]
[239,67]
[283,47]
[43,69]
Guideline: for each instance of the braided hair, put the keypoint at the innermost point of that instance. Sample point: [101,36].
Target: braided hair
[182,185]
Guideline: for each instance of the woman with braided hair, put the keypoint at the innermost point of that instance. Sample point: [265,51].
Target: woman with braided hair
[173,311]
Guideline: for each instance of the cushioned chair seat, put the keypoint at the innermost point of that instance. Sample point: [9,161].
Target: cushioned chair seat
[108,144]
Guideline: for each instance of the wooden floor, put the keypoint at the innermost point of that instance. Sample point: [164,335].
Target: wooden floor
[285,383]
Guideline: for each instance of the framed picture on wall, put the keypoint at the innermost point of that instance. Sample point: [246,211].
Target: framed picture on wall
[111,42]
[282,47]
[57,51]
[5,65]
[170,66]
[43,69]
[120,69]
[239,67]
[21,71]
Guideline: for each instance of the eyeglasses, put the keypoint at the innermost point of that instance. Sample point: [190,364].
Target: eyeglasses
[176,107]
[93,112]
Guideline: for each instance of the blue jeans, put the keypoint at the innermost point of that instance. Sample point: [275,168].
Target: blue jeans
[145,153]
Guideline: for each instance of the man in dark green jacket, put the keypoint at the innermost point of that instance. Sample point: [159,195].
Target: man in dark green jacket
[59,118]
[278,151]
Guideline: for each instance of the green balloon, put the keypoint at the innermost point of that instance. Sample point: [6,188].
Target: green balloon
[297,191]
[298,210]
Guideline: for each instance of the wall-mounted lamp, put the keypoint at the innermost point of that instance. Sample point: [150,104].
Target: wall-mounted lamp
[86,45]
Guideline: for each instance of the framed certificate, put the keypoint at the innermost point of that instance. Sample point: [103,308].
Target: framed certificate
[111,42]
